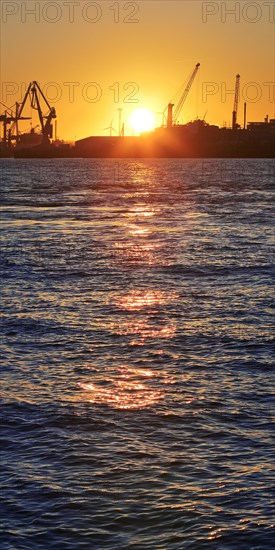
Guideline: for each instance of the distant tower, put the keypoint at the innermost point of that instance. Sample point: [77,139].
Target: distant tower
[170,115]
[244,116]
[236,103]
[119,120]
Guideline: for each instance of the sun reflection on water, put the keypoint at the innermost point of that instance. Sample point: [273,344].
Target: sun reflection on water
[143,326]
[141,210]
[137,230]
[129,389]
[138,240]
[136,300]
[143,331]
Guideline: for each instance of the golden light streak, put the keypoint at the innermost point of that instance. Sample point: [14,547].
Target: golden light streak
[129,388]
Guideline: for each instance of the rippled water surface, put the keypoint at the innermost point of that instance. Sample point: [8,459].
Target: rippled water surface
[137,342]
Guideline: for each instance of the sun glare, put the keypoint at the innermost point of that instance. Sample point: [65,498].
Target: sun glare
[142,120]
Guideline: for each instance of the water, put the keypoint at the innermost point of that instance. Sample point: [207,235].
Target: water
[137,342]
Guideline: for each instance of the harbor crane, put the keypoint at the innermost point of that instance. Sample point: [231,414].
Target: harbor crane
[34,93]
[172,117]
[236,103]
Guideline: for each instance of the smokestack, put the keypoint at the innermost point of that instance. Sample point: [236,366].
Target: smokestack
[244,116]
[170,115]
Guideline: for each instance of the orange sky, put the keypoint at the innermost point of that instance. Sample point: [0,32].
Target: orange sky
[147,48]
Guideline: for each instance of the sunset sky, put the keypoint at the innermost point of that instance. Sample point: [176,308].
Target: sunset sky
[144,51]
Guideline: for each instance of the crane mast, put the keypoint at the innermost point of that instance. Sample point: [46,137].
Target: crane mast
[236,103]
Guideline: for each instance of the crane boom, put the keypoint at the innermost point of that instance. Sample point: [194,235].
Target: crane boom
[185,94]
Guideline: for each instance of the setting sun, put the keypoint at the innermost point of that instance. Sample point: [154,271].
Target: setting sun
[142,120]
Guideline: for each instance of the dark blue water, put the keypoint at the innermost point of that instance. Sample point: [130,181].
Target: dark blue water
[137,354]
